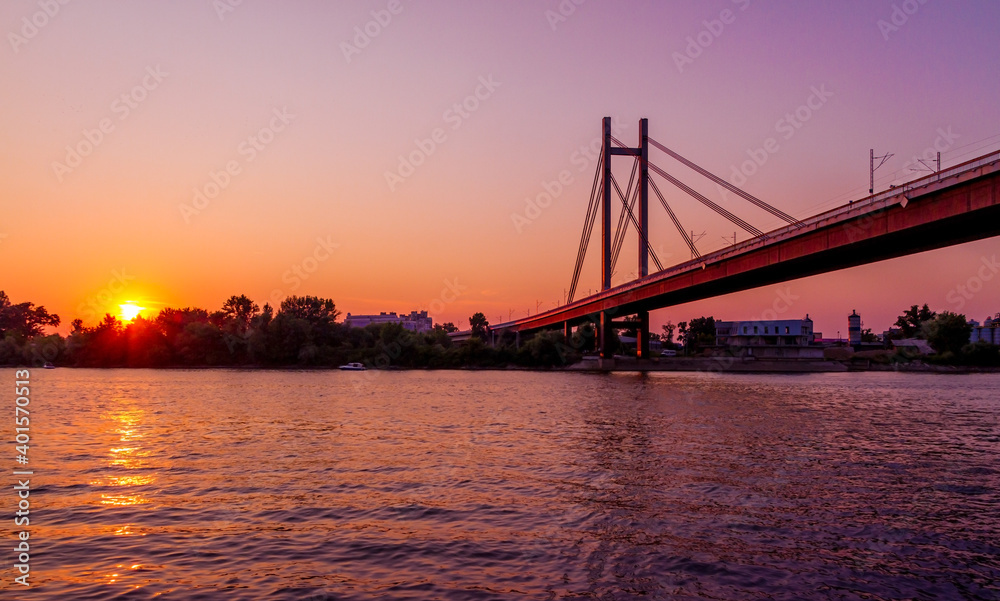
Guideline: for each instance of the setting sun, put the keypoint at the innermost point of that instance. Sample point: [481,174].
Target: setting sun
[130,311]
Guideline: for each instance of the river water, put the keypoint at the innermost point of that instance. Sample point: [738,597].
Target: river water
[221,484]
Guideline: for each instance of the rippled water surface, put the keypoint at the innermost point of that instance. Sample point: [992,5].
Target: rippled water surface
[510,485]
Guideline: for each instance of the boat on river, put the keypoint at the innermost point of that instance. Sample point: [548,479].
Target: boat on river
[353,367]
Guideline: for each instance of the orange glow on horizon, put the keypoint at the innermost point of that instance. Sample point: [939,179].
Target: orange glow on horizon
[130,310]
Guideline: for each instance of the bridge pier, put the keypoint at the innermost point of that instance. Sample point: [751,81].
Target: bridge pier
[604,337]
[642,337]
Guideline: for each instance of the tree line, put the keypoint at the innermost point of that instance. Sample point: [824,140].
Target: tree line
[304,332]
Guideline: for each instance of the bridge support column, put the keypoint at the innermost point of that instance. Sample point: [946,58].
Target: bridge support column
[606,209]
[567,331]
[604,337]
[642,338]
[643,198]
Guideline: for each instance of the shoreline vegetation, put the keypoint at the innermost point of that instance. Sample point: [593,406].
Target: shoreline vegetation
[304,334]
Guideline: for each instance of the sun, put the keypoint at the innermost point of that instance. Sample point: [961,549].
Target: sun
[130,310]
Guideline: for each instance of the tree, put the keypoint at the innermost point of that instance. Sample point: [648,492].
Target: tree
[240,311]
[480,326]
[448,327]
[101,346]
[311,308]
[913,319]
[545,349]
[23,320]
[699,333]
[584,338]
[668,334]
[947,332]
[868,336]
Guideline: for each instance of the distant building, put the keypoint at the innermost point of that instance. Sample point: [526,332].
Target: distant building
[989,332]
[773,339]
[890,334]
[416,321]
[854,328]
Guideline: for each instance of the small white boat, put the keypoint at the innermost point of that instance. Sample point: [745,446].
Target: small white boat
[49,366]
[353,367]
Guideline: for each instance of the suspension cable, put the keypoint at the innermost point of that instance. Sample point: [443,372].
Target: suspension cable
[636,223]
[708,203]
[622,228]
[588,227]
[677,223]
[747,196]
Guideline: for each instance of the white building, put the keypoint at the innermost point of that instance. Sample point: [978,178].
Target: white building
[416,321]
[771,339]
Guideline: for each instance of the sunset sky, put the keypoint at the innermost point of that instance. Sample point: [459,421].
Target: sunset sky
[176,153]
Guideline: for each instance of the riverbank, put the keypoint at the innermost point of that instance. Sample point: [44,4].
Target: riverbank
[627,364]
[733,365]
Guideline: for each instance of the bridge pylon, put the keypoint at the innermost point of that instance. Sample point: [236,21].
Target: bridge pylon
[642,154]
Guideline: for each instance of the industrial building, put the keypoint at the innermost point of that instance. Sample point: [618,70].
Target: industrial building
[772,339]
[415,321]
[989,332]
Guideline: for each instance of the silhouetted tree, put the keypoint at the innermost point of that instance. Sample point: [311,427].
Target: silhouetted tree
[480,326]
[546,349]
[23,320]
[584,338]
[240,310]
[948,332]
[146,344]
[913,319]
[698,333]
[311,308]
[668,334]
